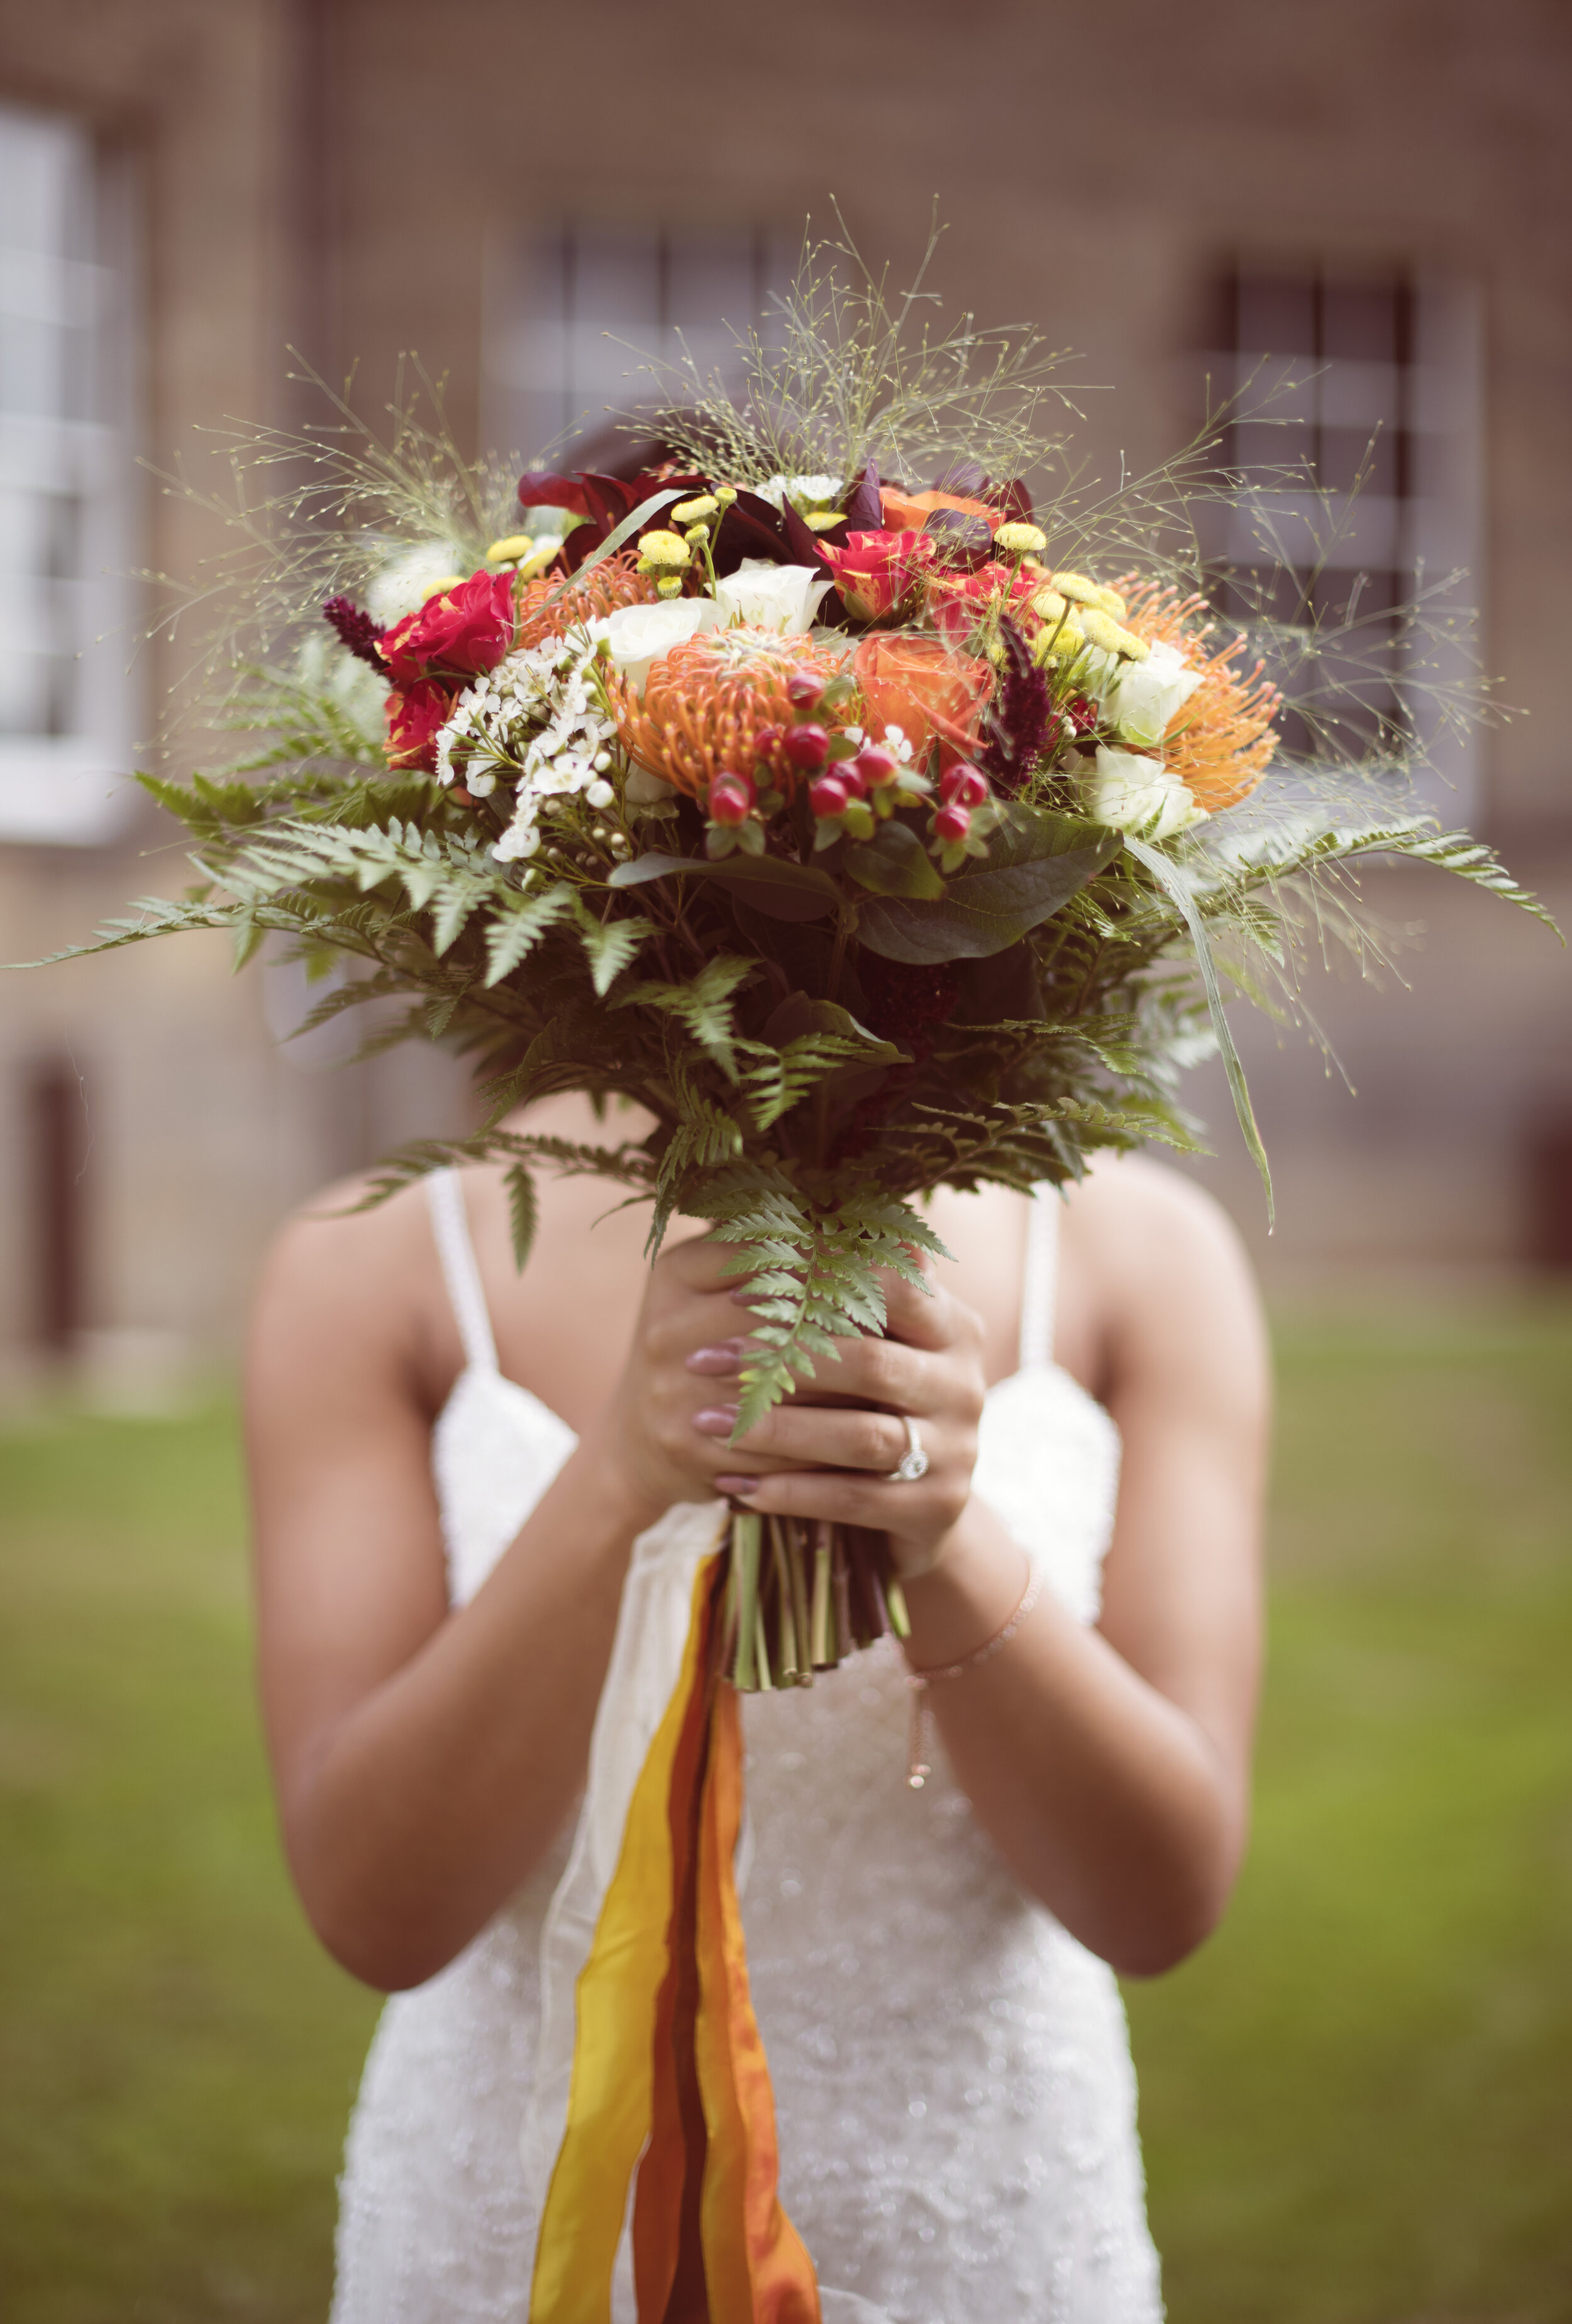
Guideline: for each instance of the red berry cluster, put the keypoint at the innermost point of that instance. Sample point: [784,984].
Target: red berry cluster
[961,788]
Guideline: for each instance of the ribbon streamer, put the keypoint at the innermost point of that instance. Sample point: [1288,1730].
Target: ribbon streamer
[666,2061]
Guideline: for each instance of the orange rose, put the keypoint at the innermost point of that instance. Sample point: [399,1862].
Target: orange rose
[918,685]
[909,512]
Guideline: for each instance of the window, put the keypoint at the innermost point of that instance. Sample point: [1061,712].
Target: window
[574,314]
[67,715]
[1368,382]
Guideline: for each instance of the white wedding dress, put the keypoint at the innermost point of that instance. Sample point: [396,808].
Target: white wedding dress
[953,2086]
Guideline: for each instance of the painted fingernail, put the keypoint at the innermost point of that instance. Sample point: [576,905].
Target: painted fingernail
[715,1420]
[720,1361]
[737,1488]
[744,1298]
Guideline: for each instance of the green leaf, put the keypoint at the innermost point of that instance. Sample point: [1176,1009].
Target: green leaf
[615,540]
[785,890]
[610,944]
[521,922]
[524,1210]
[249,932]
[894,863]
[807,1042]
[1176,886]
[982,912]
[704,1005]
[813,1274]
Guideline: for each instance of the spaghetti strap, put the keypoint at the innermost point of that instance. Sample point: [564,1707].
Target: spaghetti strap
[455,1249]
[1039,1279]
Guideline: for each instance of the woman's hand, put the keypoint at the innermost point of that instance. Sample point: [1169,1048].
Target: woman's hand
[822,1453]
[828,1451]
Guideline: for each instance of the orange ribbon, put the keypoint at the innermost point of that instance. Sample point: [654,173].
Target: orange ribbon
[668,2056]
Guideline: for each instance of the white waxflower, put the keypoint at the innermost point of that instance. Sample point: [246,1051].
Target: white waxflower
[1144,696]
[520,838]
[801,490]
[1138,794]
[769,596]
[640,635]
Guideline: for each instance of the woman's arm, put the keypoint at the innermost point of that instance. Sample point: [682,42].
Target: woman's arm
[424,1758]
[1111,1765]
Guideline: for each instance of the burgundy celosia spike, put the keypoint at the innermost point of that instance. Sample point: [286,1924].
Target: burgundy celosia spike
[355,631]
[1020,716]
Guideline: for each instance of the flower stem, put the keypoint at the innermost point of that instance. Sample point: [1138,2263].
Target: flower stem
[823,1656]
[746,1529]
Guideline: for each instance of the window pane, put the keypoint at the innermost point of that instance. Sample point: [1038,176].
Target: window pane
[66,470]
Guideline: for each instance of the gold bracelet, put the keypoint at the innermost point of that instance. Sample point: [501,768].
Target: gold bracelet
[918,1769]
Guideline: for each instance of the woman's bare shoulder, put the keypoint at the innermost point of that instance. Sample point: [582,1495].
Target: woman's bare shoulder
[1134,1205]
[347,1281]
[1167,1272]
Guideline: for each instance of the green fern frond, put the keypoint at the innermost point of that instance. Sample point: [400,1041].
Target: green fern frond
[704,1006]
[813,1275]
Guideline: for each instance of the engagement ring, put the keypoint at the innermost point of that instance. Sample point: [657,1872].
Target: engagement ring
[913,1462]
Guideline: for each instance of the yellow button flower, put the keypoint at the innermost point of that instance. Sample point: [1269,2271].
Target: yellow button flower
[663,552]
[1103,631]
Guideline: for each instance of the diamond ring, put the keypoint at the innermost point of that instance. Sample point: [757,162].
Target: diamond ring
[913,1462]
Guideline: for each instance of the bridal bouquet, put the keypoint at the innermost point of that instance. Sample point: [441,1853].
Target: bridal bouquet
[872,832]
[877,810]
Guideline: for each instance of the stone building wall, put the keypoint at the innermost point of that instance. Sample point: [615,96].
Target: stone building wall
[350,176]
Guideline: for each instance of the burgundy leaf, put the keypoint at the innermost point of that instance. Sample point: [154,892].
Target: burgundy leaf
[751,528]
[962,539]
[864,509]
[1013,498]
[803,544]
[965,479]
[542,488]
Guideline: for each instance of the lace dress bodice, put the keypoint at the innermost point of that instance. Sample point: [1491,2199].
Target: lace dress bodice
[953,2088]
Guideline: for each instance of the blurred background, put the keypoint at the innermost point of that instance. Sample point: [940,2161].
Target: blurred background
[1356,2100]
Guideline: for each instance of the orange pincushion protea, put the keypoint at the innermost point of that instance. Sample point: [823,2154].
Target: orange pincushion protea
[1219,743]
[613,583]
[716,705]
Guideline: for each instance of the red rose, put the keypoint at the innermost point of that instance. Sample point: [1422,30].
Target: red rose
[414,715]
[462,630]
[875,572]
[957,600]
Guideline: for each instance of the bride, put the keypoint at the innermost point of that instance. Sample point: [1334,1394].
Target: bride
[451,1463]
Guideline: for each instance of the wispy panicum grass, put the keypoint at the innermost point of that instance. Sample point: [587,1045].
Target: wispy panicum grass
[847,369]
[333,508]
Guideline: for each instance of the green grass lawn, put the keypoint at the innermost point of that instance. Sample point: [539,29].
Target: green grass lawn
[1358,2102]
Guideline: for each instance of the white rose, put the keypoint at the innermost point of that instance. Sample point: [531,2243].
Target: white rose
[1140,795]
[640,635]
[766,597]
[1145,695]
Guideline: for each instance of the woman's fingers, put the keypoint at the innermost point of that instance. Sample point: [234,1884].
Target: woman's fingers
[916,1517]
[923,1315]
[815,1436]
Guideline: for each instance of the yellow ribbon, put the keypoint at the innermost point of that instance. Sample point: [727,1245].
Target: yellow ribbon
[610,2100]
